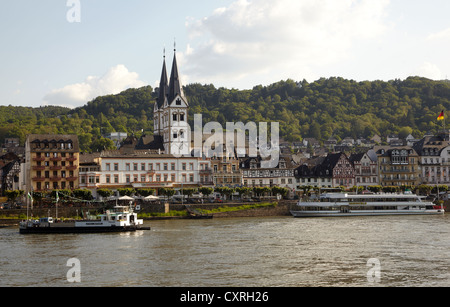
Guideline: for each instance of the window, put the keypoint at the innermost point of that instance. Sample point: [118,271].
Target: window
[108,167]
[108,179]
[183,166]
[142,166]
[172,166]
[135,166]
[191,178]
[174,116]
[166,167]
[116,178]
[128,179]
[116,166]
[182,117]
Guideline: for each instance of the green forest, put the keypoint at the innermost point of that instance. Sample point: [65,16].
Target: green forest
[327,107]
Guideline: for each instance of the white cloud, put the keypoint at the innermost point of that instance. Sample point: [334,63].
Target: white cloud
[440,36]
[429,70]
[116,80]
[265,40]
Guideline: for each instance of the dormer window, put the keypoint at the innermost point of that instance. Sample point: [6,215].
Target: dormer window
[178,102]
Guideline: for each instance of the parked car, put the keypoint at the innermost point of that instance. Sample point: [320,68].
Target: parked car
[5,206]
[19,206]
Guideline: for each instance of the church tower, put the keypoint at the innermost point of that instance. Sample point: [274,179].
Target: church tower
[171,113]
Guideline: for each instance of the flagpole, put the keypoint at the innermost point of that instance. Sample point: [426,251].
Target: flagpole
[57,199]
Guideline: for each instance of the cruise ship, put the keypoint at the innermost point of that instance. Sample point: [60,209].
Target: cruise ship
[342,204]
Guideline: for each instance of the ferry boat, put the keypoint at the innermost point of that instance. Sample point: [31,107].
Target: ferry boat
[120,219]
[342,204]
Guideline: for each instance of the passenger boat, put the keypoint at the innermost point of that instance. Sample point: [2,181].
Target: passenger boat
[120,219]
[341,204]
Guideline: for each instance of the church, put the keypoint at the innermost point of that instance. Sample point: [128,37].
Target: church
[171,113]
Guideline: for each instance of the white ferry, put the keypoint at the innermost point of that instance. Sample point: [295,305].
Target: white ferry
[120,219]
[341,204]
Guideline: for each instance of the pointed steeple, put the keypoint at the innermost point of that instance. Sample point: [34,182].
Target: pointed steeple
[175,87]
[163,84]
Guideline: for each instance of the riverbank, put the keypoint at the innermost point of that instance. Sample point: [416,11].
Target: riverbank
[173,211]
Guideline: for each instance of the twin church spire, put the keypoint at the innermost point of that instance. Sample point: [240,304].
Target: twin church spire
[169,89]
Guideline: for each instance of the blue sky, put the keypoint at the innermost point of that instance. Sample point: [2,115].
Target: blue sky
[45,59]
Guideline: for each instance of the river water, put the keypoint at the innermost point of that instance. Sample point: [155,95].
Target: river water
[239,252]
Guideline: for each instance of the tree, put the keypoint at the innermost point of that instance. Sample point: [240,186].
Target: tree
[224,191]
[279,190]
[83,194]
[145,192]
[13,194]
[243,191]
[101,144]
[188,191]
[206,191]
[105,193]
[169,192]
[126,191]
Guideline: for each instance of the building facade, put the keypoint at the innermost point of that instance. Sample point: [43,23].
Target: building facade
[51,162]
[398,166]
[366,168]
[253,175]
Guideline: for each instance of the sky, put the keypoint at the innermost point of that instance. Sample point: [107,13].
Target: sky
[67,52]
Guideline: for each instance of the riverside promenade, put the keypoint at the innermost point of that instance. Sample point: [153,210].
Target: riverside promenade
[11,217]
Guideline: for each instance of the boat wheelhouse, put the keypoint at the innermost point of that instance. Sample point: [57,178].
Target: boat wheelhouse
[342,204]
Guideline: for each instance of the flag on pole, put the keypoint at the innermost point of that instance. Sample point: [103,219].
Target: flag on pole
[30,196]
[441,116]
[57,196]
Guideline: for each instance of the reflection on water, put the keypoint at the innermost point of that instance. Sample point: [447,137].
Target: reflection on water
[279,251]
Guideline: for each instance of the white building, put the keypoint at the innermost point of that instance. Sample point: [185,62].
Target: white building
[145,170]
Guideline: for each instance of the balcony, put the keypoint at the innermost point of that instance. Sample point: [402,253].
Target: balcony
[71,167]
[39,159]
[71,159]
[72,178]
[55,159]
[38,179]
[55,178]
[38,168]
[56,168]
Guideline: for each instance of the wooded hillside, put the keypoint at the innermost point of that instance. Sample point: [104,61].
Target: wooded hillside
[327,107]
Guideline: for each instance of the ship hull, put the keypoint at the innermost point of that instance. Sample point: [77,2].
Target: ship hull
[73,230]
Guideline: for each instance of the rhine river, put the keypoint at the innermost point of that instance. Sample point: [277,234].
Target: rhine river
[239,252]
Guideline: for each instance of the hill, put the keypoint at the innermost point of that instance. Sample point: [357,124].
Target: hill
[326,107]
